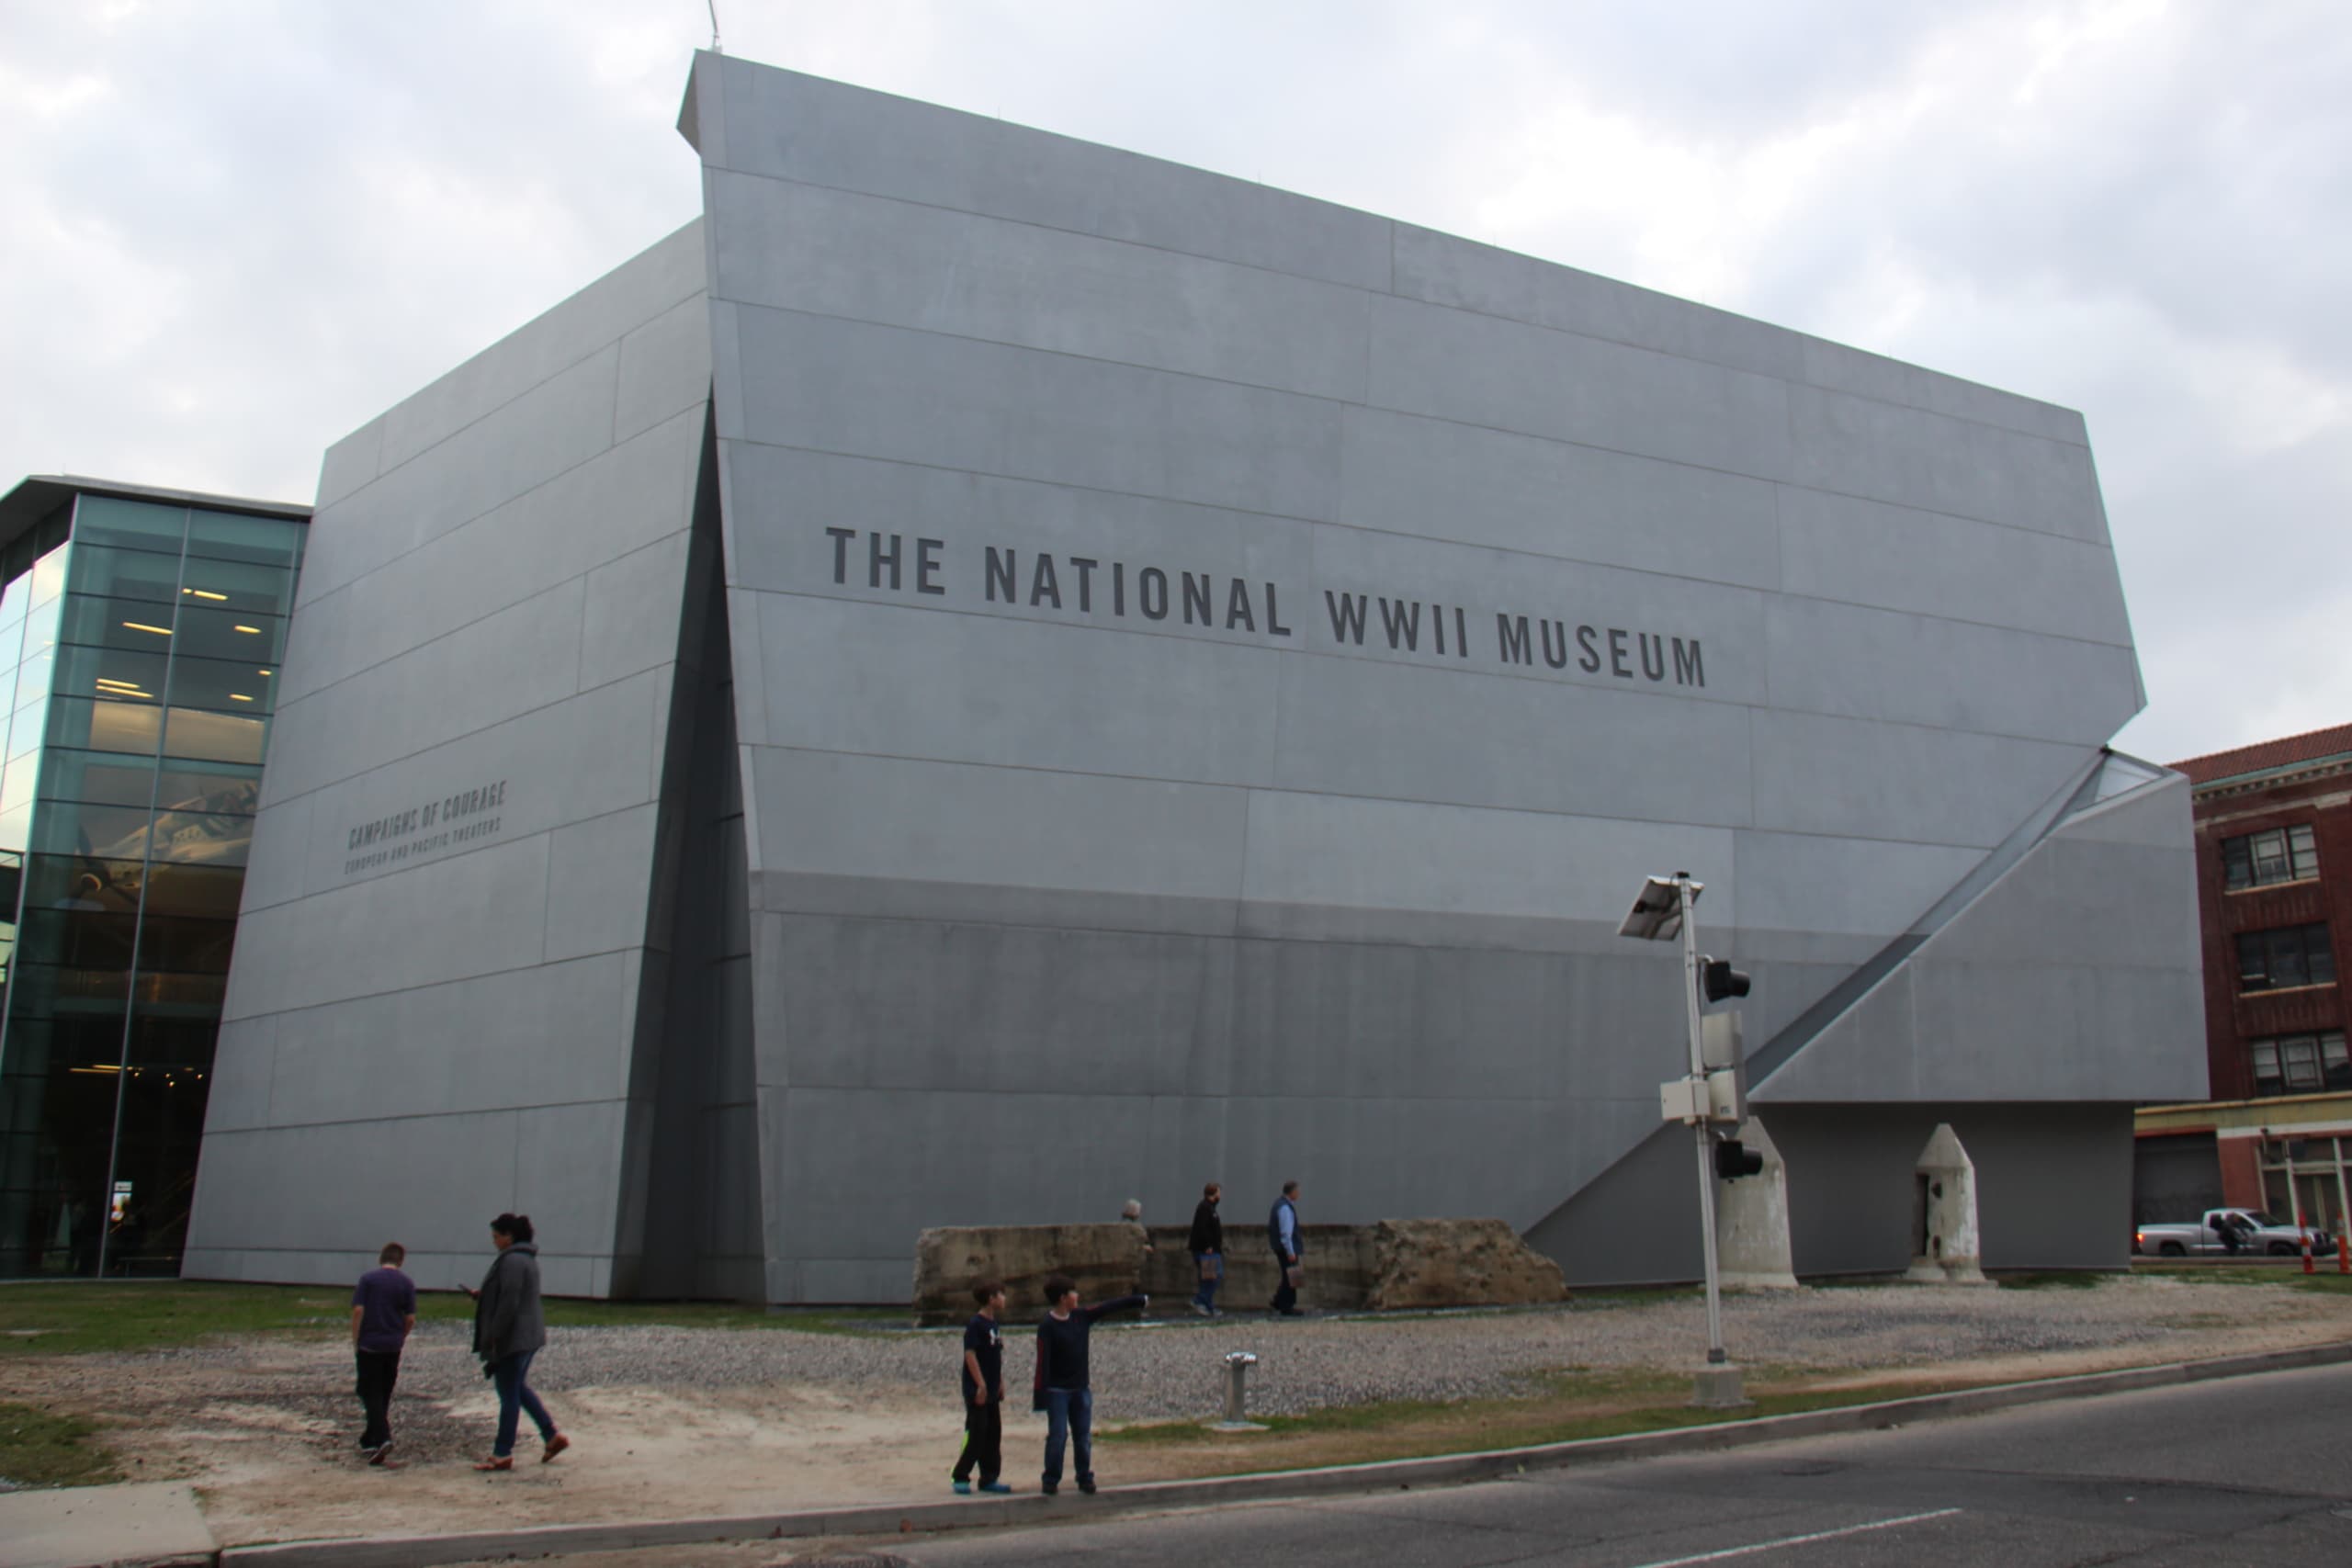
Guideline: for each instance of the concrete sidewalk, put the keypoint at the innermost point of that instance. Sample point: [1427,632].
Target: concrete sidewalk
[159,1524]
[145,1522]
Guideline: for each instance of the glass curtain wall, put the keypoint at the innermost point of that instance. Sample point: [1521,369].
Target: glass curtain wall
[144,662]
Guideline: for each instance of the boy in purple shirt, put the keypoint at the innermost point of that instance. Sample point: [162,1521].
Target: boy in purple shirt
[383,1310]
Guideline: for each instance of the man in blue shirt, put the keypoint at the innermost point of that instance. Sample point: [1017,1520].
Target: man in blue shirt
[383,1310]
[1282,1233]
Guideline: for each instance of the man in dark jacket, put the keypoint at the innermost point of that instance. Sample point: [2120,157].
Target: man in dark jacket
[1064,1387]
[1281,1234]
[1207,1244]
[509,1329]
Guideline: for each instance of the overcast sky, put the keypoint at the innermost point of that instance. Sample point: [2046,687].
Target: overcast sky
[239,229]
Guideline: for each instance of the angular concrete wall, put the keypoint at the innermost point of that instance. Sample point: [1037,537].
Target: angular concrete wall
[436,1001]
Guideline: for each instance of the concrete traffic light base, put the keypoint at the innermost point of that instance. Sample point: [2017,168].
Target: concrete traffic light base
[1718,1388]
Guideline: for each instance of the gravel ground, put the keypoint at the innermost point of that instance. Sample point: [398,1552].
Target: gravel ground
[1173,1370]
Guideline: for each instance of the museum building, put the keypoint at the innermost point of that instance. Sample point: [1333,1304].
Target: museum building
[986,675]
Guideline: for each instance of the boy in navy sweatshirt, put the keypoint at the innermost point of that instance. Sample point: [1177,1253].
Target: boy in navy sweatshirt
[983,1393]
[1063,1391]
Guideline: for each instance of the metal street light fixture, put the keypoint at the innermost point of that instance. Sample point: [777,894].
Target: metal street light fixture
[1662,912]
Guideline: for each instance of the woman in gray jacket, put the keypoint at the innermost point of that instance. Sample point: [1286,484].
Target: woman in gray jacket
[509,1328]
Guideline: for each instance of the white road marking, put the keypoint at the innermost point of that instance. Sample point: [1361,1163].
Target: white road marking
[1798,1540]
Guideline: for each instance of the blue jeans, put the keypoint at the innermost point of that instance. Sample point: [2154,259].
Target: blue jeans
[1069,1413]
[1210,1267]
[513,1394]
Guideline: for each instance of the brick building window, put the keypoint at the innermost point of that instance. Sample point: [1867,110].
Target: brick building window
[2292,955]
[2301,1064]
[2257,860]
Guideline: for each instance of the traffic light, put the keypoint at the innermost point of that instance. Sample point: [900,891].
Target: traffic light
[1718,979]
[1734,1159]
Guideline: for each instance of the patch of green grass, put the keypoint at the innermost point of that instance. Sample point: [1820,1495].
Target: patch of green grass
[1399,1429]
[2051,1280]
[2284,1273]
[78,1317]
[37,1448]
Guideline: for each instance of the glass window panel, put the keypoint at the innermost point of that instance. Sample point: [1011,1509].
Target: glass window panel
[100,777]
[78,882]
[134,525]
[215,737]
[40,627]
[2254,965]
[230,685]
[168,944]
[2286,949]
[219,787]
[203,838]
[140,626]
[48,580]
[2304,852]
[77,939]
[104,726]
[2334,1064]
[32,679]
[2237,865]
[2319,955]
[2299,1054]
[249,636]
[205,891]
[221,535]
[104,570]
[118,674]
[2269,856]
[17,783]
[78,991]
[25,731]
[15,597]
[233,585]
[75,827]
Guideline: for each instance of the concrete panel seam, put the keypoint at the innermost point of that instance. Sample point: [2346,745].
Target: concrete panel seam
[1256,789]
[427,1116]
[649,672]
[311,605]
[1390,292]
[567,366]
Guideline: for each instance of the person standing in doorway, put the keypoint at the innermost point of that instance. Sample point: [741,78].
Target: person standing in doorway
[383,1311]
[1282,1234]
[983,1393]
[1064,1387]
[510,1327]
[1207,1244]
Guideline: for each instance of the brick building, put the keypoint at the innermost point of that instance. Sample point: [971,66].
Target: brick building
[2273,893]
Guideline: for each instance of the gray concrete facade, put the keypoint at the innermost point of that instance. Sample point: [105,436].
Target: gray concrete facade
[1031,676]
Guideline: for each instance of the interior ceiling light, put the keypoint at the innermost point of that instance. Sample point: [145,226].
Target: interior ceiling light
[265,671]
[256,630]
[159,631]
[239,697]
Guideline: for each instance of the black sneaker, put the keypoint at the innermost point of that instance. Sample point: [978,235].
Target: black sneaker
[1050,1487]
[1087,1487]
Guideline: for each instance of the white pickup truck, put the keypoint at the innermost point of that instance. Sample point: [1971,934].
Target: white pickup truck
[2254,1230]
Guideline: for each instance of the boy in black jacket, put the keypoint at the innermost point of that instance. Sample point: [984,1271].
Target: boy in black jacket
[1063,1389]
[983,1392]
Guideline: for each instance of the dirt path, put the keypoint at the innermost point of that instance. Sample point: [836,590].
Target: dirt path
[265,1427]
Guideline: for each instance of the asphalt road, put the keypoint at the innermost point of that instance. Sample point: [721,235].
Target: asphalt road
[2252,1472]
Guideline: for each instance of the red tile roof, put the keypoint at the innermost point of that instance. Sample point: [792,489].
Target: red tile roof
[2265,755]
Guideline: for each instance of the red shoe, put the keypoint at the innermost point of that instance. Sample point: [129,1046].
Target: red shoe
[556,1445]
[495,1463]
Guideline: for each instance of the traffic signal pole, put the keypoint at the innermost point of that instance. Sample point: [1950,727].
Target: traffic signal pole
[1704,1141]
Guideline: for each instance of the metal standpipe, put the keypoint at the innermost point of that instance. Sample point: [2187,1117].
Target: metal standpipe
[1237,1393]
